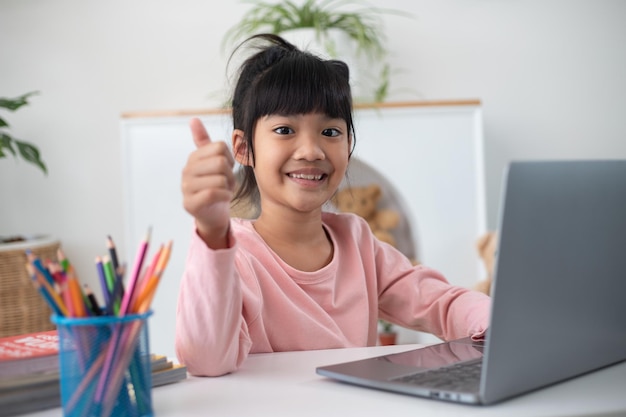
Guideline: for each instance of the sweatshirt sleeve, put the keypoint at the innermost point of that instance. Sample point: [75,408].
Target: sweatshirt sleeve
[211,335]
[435,306]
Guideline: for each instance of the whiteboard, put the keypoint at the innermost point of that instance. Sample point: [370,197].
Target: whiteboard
[431,157]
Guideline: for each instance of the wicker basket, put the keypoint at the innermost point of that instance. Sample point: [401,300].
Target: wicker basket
[22,308]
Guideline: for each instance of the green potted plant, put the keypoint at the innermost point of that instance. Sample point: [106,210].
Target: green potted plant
[386,333]
[361,24]
[28,151]
[17,147]
[22,309]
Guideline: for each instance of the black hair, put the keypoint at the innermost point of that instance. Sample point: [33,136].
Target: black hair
[282,79]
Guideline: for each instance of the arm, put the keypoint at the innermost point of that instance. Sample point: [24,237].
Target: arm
[434,305]
[208,318]
[211,336]
[207,185]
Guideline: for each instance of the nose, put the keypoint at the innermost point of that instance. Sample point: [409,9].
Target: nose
[309,148]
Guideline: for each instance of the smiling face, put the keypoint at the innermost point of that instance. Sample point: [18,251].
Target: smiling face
[281,80]
[300,160]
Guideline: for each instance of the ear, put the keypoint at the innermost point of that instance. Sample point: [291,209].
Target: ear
[240,148]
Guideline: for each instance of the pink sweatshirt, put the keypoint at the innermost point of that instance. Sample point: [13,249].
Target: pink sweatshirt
[245,299]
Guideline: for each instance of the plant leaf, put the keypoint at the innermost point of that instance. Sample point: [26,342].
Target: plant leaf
[6,142]
[31,154]
[15,103]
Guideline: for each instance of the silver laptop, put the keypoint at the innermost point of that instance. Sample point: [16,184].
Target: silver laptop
[558,307]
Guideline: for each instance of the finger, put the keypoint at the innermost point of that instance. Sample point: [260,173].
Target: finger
[199,133]
[192,185]
[211,159]
[204,199]
[204,204]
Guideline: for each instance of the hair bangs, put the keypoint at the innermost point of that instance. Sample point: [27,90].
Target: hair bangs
[299,86]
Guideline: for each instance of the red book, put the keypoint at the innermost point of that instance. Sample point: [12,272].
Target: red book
[29,353]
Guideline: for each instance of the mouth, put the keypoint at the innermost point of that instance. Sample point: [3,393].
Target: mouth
[307,177]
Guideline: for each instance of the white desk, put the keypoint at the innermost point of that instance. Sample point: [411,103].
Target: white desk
[285,384]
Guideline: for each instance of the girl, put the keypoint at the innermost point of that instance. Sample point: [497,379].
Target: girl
[296,277]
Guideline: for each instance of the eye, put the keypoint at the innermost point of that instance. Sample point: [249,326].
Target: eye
[331,132]
[284,130]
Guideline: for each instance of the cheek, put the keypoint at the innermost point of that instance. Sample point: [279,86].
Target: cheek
[341,158]
[269,160]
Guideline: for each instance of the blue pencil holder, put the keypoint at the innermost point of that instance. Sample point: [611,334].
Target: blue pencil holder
[105,366]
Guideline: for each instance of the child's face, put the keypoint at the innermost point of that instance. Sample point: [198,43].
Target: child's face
[300,160]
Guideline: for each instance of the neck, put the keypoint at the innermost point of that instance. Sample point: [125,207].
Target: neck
[298,239]
[290,228]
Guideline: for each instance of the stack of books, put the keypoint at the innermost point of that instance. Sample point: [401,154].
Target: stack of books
[29,372]
[165,371]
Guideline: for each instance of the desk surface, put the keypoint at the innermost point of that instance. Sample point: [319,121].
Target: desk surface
[278,384]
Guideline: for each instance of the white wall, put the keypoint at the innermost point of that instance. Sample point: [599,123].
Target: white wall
[550,74]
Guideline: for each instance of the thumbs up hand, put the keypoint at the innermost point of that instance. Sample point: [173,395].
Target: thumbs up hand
[207,185]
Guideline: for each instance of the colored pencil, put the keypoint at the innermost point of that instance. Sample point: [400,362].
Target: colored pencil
[145,278]
[137,267]
[36,262]
[63,261]
[45,285]
[144,300]
[113,253]
[57,271]
[76,295]
[109,274]
[61,282]
[93,302]
[66,294]
[112,283]
[104,286]
[118,290]
[46,296]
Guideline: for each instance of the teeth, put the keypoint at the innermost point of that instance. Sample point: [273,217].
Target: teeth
[306,177]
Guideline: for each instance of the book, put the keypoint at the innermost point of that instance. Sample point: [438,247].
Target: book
[158,362]
[174,373]
[29,353]
[36,356]
[39,391]
[8,384]
[30,406]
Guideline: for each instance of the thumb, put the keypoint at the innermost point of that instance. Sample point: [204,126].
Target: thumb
[199,133]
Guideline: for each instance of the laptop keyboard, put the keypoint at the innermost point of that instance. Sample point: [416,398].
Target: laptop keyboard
[460,377]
